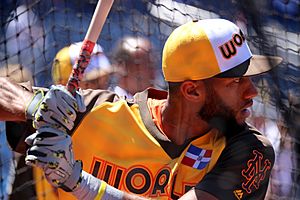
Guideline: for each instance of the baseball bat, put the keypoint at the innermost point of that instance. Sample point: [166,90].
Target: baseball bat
[100,14]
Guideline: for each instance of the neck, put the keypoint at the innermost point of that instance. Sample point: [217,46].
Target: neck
[180,123]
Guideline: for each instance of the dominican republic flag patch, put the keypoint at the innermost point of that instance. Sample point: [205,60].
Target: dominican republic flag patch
[196,157]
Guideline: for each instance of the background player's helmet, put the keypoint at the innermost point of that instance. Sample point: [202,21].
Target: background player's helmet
[65,59]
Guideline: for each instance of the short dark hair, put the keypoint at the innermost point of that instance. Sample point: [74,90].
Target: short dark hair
[173,87]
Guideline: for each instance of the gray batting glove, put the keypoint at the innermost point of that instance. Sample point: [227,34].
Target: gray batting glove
[57,108]
[52,151]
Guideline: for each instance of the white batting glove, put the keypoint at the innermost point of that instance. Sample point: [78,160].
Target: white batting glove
[52,151]
[57,108]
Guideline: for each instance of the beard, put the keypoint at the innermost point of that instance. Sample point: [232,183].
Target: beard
[218,115]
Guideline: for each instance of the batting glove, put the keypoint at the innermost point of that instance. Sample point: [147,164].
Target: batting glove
[57,108]
[52,151]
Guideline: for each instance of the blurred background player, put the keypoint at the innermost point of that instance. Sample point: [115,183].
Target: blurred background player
[12,164]
[96,75]
[29,47]
[133,57]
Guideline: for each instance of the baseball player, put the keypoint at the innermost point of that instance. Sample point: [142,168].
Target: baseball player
[133,56]
[191,142]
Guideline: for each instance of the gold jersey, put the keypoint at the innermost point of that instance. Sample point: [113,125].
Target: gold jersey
[119,149]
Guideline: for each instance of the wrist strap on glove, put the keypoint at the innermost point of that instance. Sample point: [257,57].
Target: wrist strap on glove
[93,188]
[75,178]
[34,104]
[101,190]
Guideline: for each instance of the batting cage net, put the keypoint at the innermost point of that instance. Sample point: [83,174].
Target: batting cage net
[34,31]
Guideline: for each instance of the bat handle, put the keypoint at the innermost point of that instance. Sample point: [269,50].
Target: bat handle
[80,65]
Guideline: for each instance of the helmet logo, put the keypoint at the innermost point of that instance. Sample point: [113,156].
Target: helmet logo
[228,49]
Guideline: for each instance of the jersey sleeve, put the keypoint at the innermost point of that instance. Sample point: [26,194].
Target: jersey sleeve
[242,170]
[17,131]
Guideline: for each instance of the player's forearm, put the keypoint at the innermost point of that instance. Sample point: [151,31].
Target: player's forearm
[13,100]
[92,188]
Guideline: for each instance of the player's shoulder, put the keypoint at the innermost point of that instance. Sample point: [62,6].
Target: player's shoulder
[250,135]
[249,140]
[244,166]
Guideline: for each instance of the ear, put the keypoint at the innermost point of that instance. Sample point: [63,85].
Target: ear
[193,90]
